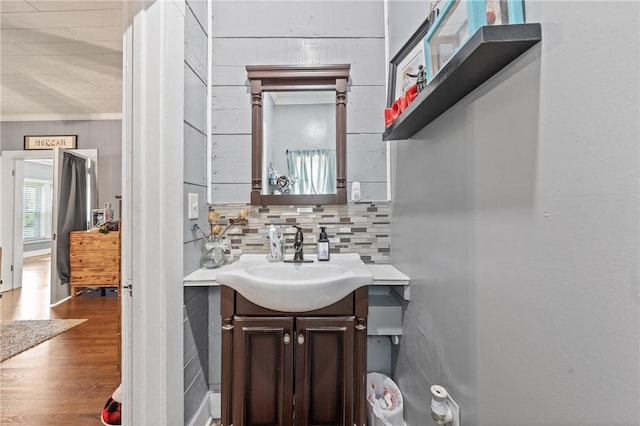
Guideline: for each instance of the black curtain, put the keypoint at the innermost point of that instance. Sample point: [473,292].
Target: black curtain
[72,209]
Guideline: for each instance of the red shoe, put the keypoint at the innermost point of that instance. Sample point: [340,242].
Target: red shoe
[111,411]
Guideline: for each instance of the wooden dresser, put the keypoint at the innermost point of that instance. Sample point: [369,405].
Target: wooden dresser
[94,259]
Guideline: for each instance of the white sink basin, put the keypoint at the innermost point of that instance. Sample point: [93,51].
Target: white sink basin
[295,287]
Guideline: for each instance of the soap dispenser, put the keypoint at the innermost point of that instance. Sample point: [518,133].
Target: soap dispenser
[323,244]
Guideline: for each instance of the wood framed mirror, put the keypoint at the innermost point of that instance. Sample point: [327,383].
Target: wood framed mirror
[298,134]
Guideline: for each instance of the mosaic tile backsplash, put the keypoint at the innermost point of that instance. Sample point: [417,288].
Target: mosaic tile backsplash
[361,228]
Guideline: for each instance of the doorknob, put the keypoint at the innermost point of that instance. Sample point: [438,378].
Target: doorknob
[286,338]
[301,339]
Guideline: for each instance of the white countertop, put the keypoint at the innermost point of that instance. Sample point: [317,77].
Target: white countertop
[383,274]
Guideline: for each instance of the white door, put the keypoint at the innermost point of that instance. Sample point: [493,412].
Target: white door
[60,290]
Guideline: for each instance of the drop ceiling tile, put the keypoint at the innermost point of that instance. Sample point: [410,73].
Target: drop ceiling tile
[12,6]
[69,5]
[40,104]
[98,33]
[50,61]
[61,103]
[86,18]
[40,73]
[73,48]
[7,77]
[114,58]
[23,89]
[11,49]
[44,35]
[104,80]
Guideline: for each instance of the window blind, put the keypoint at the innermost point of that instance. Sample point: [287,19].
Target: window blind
[33,211]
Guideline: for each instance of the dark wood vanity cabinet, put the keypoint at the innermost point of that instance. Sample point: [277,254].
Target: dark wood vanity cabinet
[286,369]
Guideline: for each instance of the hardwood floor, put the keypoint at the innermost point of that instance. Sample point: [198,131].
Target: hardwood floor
[67,379]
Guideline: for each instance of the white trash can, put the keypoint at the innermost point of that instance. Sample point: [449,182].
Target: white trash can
[384,401]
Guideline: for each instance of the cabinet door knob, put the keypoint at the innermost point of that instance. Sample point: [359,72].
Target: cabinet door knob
[301,339]
[287,338]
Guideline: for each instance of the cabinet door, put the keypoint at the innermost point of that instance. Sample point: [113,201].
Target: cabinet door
[324,371]
[262,371]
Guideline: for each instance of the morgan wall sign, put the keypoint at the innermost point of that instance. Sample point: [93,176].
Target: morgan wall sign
[50,142]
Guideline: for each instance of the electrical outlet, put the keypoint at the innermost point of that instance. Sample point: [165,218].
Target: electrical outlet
[356,195]
[193,206]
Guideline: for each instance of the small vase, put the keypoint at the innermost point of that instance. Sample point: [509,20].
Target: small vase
[214,256]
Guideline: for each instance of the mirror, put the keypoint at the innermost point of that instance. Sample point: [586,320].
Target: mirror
[298,132]
[299,147]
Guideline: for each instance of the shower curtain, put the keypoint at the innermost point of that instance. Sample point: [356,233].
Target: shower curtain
[72,211]
[313,171]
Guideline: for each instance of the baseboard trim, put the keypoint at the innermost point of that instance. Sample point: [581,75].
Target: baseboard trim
[216,404]
[203,415]
[209,409]
[33,253]
[61,301]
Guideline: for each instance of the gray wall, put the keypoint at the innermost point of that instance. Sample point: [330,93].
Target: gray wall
[103,135]
[196,305]
[522,238]
[301,32]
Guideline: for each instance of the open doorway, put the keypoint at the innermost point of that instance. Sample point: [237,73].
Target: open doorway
[27,225]
[37,206]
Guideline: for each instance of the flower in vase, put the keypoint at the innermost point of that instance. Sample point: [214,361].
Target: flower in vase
[217,231]
[213,216]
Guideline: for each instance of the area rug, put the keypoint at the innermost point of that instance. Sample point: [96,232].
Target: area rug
[20,335]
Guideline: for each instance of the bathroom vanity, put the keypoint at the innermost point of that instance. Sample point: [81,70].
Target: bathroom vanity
[294,341]
[307,365]
[280,366]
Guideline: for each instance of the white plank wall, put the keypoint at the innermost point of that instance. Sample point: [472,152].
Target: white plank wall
[272,19]
[196,305]
[195,127]
[301,32]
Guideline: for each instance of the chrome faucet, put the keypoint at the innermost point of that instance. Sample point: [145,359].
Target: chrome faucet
[298,256]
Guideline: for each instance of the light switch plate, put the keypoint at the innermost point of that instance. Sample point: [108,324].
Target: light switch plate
[193,206]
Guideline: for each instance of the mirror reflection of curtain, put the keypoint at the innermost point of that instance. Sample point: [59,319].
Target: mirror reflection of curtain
[313,171]
[72,211]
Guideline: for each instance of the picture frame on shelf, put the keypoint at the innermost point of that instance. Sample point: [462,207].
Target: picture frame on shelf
[457,21]
[443,35]
[407,70]
[409,57]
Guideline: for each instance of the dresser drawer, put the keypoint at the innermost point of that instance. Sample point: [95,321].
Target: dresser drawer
[93,241]
[95,277]
[109,260]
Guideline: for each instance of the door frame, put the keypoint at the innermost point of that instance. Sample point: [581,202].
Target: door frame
[11,246]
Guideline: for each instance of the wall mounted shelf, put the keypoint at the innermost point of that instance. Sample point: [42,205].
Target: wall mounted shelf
[489,50]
